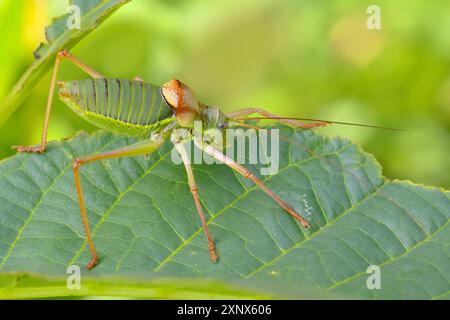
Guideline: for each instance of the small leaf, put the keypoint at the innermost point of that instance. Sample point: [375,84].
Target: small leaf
[146,227]
[59,36]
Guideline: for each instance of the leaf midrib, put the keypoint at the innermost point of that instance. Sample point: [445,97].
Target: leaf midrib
[184,243]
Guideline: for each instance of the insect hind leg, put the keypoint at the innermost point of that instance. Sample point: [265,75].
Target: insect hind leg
[139,148]
[65,54]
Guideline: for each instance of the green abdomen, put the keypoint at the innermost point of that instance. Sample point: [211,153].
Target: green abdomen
[120,105]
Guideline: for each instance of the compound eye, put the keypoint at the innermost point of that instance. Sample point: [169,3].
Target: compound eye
[222,125]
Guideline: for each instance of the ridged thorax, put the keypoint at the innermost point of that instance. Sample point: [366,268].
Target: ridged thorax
[188,109]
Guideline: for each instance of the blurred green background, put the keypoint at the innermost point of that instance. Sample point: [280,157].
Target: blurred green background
[294,58]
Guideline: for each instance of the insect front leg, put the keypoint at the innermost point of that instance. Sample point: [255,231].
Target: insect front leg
[59,56]
[249,175]
[296,123]
[139,148]
[193,187]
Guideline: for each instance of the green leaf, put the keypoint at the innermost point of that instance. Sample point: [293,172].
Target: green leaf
[59,36]
[151,244]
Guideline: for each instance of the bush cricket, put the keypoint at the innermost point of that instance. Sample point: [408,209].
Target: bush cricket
[152,113]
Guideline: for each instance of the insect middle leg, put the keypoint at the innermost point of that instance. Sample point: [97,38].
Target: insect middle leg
[249,175]
[59,56]
[296,123]
[139,148]
[193,187]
